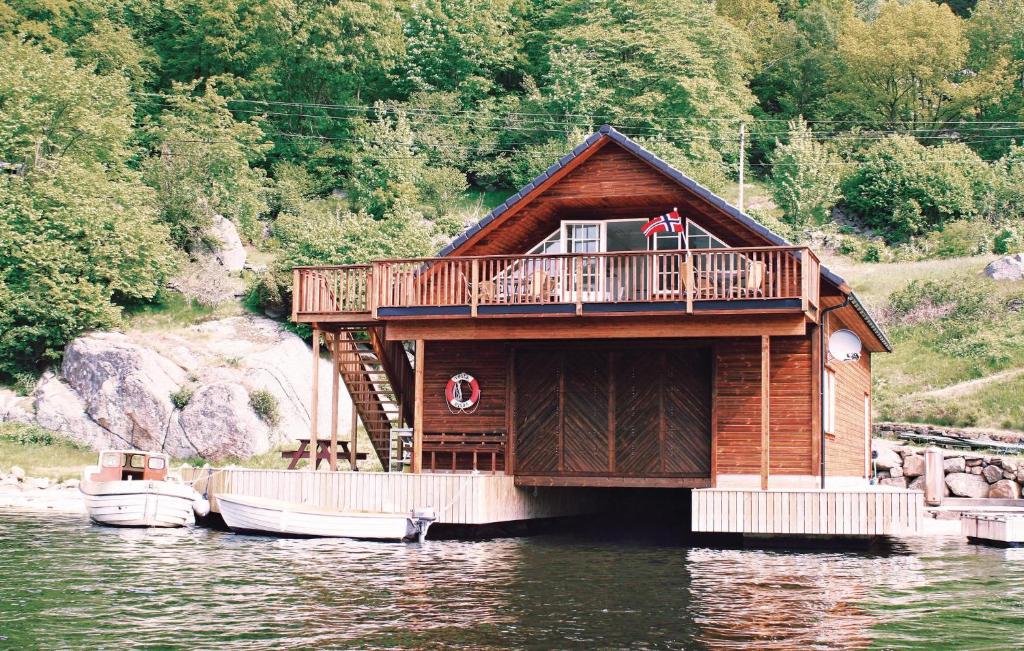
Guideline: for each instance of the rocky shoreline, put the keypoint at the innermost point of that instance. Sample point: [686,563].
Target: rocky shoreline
[967,474]
[18,491]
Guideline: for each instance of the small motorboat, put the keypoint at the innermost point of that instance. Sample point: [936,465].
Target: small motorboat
[244,514]
[132,488]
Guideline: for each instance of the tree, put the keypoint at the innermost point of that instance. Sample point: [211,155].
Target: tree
[79,235]
[903,189]
[205,165]
[805,177]
[907,68]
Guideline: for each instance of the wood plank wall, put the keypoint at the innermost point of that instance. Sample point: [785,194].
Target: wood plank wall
[738,410]
[484,360]
[846,450]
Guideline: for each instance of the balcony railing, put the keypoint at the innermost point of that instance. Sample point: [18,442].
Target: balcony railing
[499,284]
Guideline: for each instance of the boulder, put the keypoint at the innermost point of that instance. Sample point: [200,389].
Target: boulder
[219,423]
[974,470]
[964,484]
[1008,267]
[886,458]
[913,465]
[1020,474]
[954,464]
[115,389]
[15,408]
[974,462]
[18,473]
[917,483]
[896,471]
[1005,489]
[230,253]
[899,482]
[992,473]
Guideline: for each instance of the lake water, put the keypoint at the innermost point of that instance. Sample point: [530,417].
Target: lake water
[65,583]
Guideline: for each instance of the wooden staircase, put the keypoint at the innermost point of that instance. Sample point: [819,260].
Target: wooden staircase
[379,377]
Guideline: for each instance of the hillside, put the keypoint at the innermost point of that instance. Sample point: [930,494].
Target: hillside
[969,377]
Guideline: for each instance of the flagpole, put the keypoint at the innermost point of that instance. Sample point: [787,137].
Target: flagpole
[743,147]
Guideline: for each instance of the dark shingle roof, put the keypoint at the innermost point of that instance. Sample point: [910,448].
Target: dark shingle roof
[707,195]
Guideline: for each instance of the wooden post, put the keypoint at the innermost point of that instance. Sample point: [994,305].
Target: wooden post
[295,294]
[688,270]
[475,287]
[816,381]
[335,394]
[579,286]
[805,278]
[371,289]
[765,408]
[353,444]
[417,420]
[314,403]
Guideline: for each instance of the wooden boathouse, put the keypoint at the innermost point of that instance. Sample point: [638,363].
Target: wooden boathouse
[554,349]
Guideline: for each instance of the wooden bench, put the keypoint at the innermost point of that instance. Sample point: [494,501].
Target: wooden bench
[472,445]
[323,453]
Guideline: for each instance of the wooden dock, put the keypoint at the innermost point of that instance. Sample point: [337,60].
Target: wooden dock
[1006,529]
[865,512]
[457,498]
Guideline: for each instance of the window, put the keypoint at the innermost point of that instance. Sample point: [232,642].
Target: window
[830,401]
[156,463]
[551,244]
[111,460]
[137,461]
[698,238]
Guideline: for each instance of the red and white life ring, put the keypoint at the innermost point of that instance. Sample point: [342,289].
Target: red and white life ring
[455,394]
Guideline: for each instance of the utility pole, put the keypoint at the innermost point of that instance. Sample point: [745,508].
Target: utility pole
[743,161]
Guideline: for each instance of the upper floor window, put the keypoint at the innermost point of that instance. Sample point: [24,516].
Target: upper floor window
[698,238]
[551,244]
[622,235]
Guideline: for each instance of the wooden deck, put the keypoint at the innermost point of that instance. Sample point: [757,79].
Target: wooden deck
[457,498]
[808,512]
[629,282]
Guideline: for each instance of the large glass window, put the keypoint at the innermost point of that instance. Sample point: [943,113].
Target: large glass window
[626,235]
[698,238]
[551,244]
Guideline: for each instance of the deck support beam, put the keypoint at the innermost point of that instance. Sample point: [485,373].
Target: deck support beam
[417,421]
[765,409]
[314,401]
[335,395]
[353,445]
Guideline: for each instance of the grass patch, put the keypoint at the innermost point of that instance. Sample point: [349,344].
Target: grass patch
[175,311]
[41,453]
[997,405]
[264,404]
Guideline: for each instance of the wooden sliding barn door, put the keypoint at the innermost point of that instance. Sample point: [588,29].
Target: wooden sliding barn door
[537,385]
[639,412]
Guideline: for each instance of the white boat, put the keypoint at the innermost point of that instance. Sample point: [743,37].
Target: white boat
[132,488]
[244,514]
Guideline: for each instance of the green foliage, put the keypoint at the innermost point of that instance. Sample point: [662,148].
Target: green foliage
[182,396]
[264,404]
[805,177]
[958,239]
[205,166]
[903,189]
[24,434]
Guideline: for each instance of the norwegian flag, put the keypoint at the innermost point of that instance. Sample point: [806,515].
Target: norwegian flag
[670,222]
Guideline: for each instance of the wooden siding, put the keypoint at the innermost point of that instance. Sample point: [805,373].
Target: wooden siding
[738,406]
[846,451]
[457,499]
[485,361]
[611,184]
[640,412]
[808,512]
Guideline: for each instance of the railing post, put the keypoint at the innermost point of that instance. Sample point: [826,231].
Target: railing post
[579,285]
[688,268]
[805,277]
[295,294]
[474,287]
[372,298]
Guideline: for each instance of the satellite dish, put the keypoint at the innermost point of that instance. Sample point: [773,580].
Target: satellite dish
[844,346]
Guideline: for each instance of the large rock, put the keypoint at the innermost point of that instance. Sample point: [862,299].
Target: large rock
[917,484]
[992,473]
[15,408]
[886,458]
[964,484]
[230,253]
[913,465]
[1009,267]
[115,389]
[899,482]
[1005,489]
[218,422]
[954,464]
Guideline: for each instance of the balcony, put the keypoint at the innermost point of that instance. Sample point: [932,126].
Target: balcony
[706,281]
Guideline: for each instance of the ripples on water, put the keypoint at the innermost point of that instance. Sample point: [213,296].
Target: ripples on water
[66,583]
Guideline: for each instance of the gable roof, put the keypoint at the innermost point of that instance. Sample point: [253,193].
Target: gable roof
[610,133]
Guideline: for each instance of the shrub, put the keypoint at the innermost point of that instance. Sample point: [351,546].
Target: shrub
[805,177]
[264,404]
[961,298]
[24,434]
[182,396]
[958,239]
[903,189]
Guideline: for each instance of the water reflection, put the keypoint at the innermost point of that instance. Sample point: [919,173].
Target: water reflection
[65,583]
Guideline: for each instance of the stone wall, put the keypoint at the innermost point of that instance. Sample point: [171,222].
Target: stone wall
[967,474]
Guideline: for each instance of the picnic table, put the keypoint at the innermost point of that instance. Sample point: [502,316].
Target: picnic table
[323,453]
